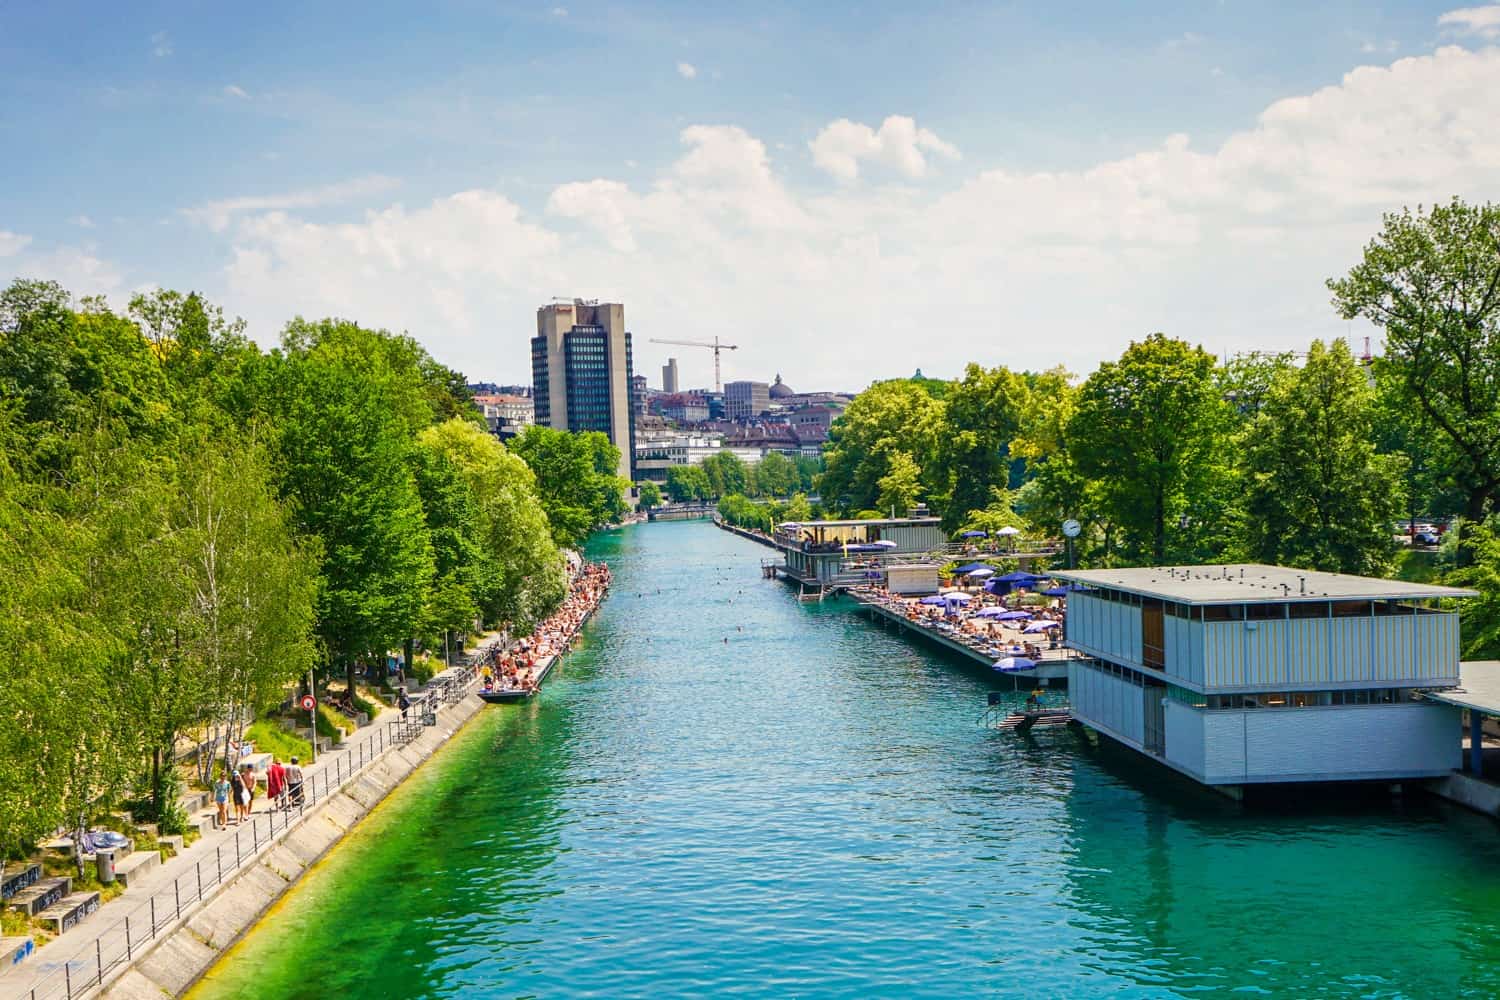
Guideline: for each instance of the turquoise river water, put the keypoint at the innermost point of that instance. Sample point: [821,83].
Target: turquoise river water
[811,810]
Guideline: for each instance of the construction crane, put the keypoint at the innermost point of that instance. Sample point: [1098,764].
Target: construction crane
[716,347]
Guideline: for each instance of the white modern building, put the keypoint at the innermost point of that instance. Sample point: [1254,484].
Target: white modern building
[1246,674]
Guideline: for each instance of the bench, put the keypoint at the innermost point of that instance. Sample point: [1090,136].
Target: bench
[135,867]
[14,880]
[42,894]
[15,950]
[70,911]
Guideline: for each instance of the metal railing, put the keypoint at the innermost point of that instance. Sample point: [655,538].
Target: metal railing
[117,945]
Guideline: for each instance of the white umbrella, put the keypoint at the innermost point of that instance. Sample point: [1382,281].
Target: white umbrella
[1008,531]
[959,597]
[982,573]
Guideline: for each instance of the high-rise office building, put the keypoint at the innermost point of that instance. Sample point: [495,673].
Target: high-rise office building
[746,400]
[581,372]
[669,377]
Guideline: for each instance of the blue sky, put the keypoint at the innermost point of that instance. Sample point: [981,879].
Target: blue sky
[850,191]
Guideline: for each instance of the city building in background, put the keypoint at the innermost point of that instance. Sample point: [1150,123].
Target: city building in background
[639,394]
[581,370]
[669,377]
[506,414]
[745,400]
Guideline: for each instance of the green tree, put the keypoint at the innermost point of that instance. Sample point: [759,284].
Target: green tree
[983,415]
[649,494]
[521,576]
[1149,429]
[1431,282]
[886,419]
[686,483]
[345,427]
[776,475]
[901,486]
[576,479]
[1319,495]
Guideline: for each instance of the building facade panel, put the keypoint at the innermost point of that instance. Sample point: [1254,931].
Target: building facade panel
[1111,629]
[1107,701]
[1371,742]
[1185,742]
[1322,652]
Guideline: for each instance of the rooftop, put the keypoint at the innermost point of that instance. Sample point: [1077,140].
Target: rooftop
[1478,687]
[876,522]
[1240,583]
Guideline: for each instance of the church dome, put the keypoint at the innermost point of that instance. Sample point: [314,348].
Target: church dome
[780,390]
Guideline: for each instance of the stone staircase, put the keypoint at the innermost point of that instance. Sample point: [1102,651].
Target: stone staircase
[69,911]
[41,894]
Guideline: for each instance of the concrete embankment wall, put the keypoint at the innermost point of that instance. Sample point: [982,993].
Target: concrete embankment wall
[179,957]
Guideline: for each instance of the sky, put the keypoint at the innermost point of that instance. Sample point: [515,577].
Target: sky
[845,191]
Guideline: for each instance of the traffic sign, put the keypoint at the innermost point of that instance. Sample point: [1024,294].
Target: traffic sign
[309,702]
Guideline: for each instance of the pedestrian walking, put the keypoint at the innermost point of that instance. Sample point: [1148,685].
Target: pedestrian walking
[403,702]
[293,775]
[237,790]
[247,778]
[276,783]
[221,798]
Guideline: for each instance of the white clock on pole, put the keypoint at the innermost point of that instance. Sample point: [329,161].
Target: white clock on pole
[1071,528]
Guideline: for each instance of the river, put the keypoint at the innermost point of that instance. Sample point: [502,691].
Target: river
[810,810]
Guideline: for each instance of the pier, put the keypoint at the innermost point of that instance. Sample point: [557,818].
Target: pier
[1053,667]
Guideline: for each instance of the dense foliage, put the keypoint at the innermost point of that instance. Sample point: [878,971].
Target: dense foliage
[1167,455]
[190,525]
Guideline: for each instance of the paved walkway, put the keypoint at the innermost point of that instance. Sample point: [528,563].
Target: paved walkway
[69,966]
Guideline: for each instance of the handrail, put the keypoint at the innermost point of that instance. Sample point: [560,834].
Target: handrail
[117,945]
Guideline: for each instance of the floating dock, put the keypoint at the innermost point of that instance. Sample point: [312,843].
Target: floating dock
[1053,667]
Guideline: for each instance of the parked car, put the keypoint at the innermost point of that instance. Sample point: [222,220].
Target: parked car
[1427,538]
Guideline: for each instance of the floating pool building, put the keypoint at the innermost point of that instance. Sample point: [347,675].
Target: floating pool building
[1247,674]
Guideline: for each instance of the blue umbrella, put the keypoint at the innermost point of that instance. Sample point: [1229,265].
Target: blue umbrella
[972,567]
[1019,577]
[990,612]
[1055,592]
[934,599]
[1013,616]
[975,534]
[1014,663]
[1041,626]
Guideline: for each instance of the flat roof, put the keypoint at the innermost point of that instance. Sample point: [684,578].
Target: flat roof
[1242,583]
[1478,687]
[881,522]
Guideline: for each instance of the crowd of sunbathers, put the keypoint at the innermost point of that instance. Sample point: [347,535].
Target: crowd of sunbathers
[519,668]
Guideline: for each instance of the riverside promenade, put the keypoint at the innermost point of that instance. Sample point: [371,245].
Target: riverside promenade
[159,935]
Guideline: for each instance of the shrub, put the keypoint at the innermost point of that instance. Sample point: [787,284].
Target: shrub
[269,737]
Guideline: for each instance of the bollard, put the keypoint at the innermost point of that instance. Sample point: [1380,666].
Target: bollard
[127,937]
[177,894]
[198,866]
[99,959]
[153,916]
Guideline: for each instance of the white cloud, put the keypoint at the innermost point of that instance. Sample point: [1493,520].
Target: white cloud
[1226,244]
[12,243]
[82,222]
[233,91]
[559,12]
[898,144]
[218,214]
[161,45]
[1482,21]
[1387,47]
[687,70]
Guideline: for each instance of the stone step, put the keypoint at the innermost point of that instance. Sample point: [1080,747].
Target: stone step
[136,867]
[63,916]
[173,840]
[18,877]
[42,894]
[193,801]
[15,950]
